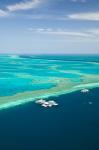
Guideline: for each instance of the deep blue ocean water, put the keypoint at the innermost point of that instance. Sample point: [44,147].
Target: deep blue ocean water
[73,125]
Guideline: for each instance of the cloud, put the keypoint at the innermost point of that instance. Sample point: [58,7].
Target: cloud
[94,31]
[25,5]
[89,34]
[90,16]
[61,32]
[2,13]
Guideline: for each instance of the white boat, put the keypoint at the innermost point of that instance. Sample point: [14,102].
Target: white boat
[53,103]
[41,101]
[85,90]
[46,103]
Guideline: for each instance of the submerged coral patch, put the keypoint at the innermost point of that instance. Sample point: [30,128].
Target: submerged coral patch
[24,79]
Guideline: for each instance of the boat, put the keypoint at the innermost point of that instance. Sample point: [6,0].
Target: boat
[53,103]
[45,103]
[41,101]
[85,90]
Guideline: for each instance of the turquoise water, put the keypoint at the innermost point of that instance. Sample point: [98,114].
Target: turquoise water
[25,77]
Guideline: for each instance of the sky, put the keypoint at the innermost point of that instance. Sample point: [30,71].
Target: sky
[49,26]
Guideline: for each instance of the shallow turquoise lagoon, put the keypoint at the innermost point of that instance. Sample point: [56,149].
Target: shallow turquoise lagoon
[31,77]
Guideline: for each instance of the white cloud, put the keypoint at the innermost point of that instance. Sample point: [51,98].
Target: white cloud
[61,32]
[94,31]
[2,13]
[85,34]
[90,16]
[25,5]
